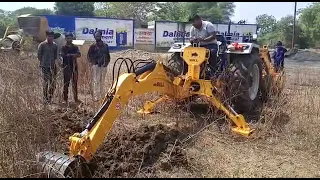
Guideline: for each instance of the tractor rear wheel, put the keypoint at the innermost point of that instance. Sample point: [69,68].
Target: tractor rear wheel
[176,64]
[246,82]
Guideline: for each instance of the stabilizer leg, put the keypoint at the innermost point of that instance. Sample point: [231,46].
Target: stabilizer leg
[238,119]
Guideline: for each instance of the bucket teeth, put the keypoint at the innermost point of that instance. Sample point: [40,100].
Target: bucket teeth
[56,165]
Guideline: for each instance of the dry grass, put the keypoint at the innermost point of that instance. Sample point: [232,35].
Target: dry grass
[22,133]
[286,144]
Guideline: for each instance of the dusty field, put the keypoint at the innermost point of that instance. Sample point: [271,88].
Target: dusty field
[174,143]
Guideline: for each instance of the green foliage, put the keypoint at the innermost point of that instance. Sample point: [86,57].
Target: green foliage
[32,11]
[8,18]
[5,21]
[267,23]
[310,23]
[138,11]
[143,12]
[74,8]
[272,31]
[217,12]
[170,11]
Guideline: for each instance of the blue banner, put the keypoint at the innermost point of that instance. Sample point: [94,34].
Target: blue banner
[61,24]
[120,39]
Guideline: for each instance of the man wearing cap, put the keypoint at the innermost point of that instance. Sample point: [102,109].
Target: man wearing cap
[204,33]
[69,54]
[47,55]
[99,58]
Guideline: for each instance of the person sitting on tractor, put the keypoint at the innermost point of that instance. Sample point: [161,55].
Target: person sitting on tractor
[204,34]
[278,56]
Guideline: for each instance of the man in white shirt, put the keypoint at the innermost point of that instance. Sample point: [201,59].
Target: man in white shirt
[204,33]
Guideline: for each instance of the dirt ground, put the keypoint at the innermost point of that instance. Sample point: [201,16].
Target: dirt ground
[181,143]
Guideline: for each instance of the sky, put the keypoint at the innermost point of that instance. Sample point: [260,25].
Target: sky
[243,11]
[250,10]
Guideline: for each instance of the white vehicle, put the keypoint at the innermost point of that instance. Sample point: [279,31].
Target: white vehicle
[244,64]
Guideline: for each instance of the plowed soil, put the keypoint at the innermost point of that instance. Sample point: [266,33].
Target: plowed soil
[285,146]
[137,153]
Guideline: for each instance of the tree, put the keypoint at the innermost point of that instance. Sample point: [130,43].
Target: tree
[6,20]
[99,9]
[142,12]
[32,11]
[170,11]
[217,12]
[139,11]
[227,10]
[310,22]
[285,28]
[267,23]
[74,8]
[283,31]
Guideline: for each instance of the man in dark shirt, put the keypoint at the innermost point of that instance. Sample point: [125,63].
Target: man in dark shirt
[278,56]
[69,54]
[99,57]
[47,55]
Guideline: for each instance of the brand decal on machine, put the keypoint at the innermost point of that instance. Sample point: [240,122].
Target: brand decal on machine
[159,84]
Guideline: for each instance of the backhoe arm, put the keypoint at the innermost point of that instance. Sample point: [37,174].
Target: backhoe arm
[150,78]
[86,143]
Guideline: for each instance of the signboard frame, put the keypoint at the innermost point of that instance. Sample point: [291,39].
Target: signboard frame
[58,19]
[187,29]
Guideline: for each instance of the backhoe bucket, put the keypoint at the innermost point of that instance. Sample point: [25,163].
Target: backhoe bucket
[56,165]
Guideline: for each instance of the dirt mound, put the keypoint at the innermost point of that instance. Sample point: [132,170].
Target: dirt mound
[138,54]
[305,55]
[137,153]
[64,122]
[140,152]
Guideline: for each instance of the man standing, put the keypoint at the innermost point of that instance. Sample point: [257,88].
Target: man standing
[47,55]
[70,53]
[278,56]
[204,33]
[99,57]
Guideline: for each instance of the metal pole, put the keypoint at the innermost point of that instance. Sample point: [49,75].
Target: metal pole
[294,24]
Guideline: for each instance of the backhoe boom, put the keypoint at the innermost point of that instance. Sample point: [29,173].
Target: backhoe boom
[150,78]
[86,143]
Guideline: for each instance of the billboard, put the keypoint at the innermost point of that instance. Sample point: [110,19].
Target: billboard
[115,32]
[61,24]
[237,31]
[144,36]
[167,33]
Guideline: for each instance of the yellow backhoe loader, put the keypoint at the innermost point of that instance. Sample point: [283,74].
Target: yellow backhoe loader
[155,76]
